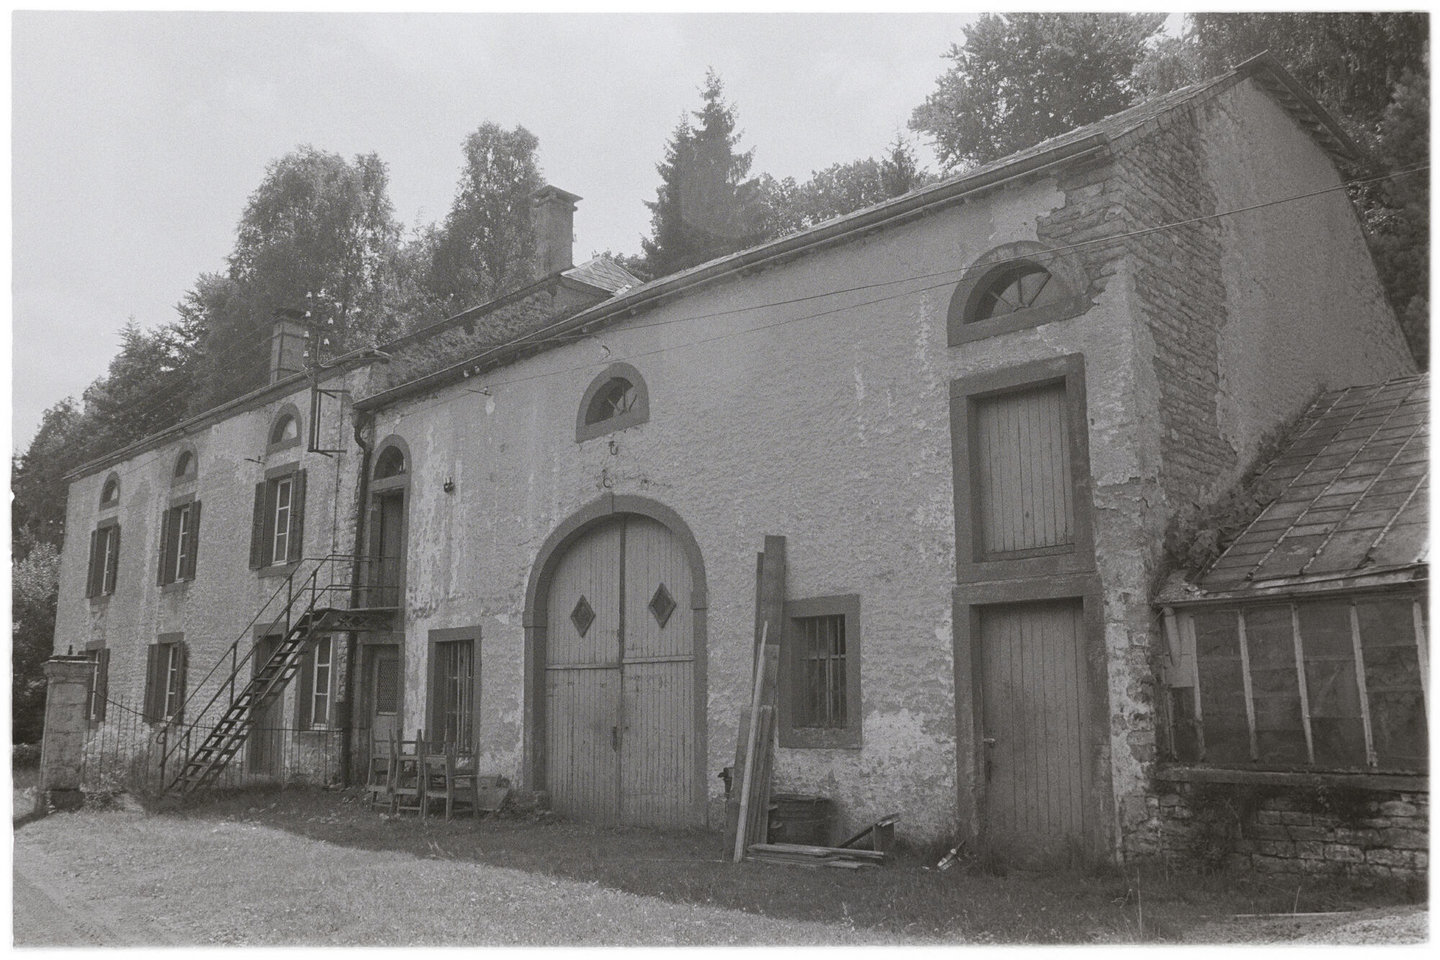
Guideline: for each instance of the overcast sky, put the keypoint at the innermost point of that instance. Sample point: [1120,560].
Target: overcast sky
[136,138]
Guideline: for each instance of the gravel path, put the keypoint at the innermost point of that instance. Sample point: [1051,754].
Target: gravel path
[124,879]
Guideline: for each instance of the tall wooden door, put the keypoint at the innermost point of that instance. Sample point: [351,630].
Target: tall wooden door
[620,678]
[387,548]
[267,736]
[1033,688]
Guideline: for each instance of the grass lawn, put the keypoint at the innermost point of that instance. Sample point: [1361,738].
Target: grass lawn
[907,899]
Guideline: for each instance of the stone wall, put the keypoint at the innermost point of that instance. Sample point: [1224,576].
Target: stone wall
[1337,830]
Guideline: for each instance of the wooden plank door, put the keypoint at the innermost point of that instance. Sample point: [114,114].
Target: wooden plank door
[1023,485]
[1033,688]
[583,680]
[657,743]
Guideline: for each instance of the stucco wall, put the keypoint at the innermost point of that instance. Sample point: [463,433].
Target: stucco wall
[1241,319]
[216,607]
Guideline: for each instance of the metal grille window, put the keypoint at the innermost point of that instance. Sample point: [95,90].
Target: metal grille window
[1336,684]
[820,673]
[454,692]
[387,685]
[820,656]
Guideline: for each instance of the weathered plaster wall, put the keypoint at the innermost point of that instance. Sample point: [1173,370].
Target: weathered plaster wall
[1303,307]
[1240,320]
[216,607]
[826,421]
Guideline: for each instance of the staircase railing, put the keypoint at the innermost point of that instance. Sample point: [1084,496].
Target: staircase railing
[317,582]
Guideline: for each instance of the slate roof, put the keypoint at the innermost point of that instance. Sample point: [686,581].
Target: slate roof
[604,273]
[1354,491]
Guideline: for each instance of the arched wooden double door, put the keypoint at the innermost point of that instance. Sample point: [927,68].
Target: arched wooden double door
[620,677]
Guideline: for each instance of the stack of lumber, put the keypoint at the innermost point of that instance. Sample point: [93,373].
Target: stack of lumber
[748,812]
[800,855]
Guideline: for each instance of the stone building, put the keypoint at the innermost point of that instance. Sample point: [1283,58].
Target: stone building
[970,411]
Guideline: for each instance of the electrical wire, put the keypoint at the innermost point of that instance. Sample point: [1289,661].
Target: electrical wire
[949,275]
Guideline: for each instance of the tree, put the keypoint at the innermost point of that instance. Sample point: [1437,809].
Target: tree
[704,207]
[840,188]
[35,582]
[1020,78]
[146,387]
[37,509]
[1399,219]
[486,246]
[318,234]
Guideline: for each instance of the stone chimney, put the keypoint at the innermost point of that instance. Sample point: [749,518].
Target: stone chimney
[287,346]
[554,213]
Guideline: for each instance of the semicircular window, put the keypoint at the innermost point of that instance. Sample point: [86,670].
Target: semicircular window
[391,463]
[110,492]
[286,430]
[184,465]
[1015,288]
[615,400]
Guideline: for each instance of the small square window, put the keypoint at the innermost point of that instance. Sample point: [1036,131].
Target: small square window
[820,673]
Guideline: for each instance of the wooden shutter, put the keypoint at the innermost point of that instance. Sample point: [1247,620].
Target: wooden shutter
[183,652]
[102,684]
[166,558]
[257,527]
[154,683]
[305,697]
[192,546]
[92,581]
[112,567]
[297,517]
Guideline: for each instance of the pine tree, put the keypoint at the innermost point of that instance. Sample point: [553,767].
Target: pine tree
[704,207]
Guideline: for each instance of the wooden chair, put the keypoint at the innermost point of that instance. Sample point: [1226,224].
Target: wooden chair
[379,769]
[407,777]
[450,776]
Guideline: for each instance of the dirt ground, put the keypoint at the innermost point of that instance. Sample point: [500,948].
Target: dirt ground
[318,867]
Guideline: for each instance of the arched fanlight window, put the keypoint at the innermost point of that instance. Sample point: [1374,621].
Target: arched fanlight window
[110,491]
[618,398]
[1012,287]
[390,463]
[184,466]
[284,429]
[1016,288]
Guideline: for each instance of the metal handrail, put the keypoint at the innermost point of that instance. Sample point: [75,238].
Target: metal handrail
[309,585]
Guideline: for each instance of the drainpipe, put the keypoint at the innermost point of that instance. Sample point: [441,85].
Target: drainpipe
[352,641]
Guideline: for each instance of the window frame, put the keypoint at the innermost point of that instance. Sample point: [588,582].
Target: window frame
[102,569]
[307,716]
[1184,688]
[179,541]
[961,323]
[638,413]
[792,732]
[112,482]
[272,445]
[265,537]
[971,565]
[179,478]
[435,701]
[166,672]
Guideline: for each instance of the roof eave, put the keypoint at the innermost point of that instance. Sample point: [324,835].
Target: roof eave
[841,229]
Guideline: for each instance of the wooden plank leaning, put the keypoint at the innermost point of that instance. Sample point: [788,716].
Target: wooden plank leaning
[746,782]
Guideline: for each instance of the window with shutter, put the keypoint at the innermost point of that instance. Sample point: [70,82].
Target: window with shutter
[277,524]
[165,679]
[103,568]
[179,539]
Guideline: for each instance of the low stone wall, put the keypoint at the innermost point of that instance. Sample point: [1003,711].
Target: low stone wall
[1368,829]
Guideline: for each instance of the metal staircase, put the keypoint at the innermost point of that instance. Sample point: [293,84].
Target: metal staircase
[306,605]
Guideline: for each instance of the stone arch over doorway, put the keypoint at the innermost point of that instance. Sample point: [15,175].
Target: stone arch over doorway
[593,530]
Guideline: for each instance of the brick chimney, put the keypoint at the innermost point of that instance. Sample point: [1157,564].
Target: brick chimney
[554,213]
[287,346]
